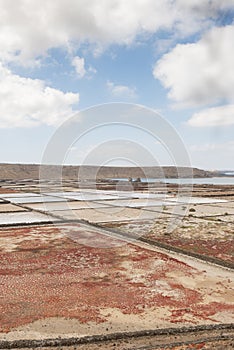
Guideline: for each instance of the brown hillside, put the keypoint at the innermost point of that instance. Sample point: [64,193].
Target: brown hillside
[31,171]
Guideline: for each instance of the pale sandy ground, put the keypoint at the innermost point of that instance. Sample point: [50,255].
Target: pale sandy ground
[199,210]
[226,218]
[98,215]
[228,204]
[6,208]
[11,243]
[195,228]
[210,210]
[65,205]
[185,227]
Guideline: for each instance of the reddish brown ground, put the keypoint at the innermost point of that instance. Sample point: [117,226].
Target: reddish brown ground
[223,250]
[7,190]
[219,344]
[42,276]
[220,247]
[200,346]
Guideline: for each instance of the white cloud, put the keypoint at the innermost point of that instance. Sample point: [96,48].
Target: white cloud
[200,73]
[121,91]
[216,116]
[196,15]
[29,28]
[79,64]
[26,102]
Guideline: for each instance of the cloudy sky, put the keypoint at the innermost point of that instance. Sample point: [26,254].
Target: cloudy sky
[58,57]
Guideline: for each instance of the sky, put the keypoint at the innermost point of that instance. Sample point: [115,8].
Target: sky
[59,58]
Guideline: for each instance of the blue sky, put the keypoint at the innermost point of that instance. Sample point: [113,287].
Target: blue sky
[173,56]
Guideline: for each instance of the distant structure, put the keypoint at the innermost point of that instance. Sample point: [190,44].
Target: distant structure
[138,180]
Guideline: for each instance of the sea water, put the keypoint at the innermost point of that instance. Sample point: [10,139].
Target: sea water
[202,181]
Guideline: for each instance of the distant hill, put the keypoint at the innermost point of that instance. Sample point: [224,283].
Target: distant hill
[31,171]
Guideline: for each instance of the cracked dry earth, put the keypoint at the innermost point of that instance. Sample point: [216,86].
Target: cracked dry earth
[72,279]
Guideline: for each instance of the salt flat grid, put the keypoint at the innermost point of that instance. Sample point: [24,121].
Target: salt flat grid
[81,195]
[85,204]
[63,193]
[150,195]
[66,205]
[137,203]
[132,194]
[196,200]
[111,193]
[24,218]
[101,215]
[34,199]
[89,197]
[66,253]
[172,210]
[16,195]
